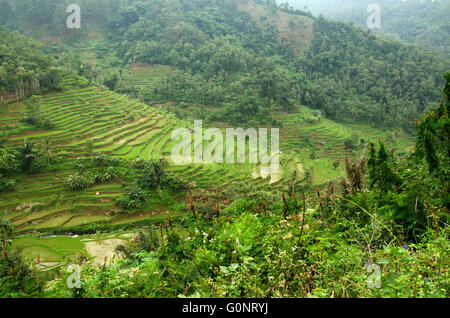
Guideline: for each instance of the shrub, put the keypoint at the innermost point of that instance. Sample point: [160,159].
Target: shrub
[174,182]
[46,124]
[349,143]
[133,200]
[139,163]
[7,184]
[80,163]
[152,176]
[109,175]
[100,160]
[241,206]
[38,164]
[17,279]
[137,194]
[112,172]
[336,164]
[77,182]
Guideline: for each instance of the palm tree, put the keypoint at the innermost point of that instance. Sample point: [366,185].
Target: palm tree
[154,173]
[158,173]
[28,154]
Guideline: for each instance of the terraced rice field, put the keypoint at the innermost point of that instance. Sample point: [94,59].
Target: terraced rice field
[144,75]
[51,252]
[48,252]
[325,139]
[119,127]
[125,128]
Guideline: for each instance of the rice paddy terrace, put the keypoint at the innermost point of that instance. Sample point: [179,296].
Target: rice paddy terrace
[144,75]
[119,127]
[124,128]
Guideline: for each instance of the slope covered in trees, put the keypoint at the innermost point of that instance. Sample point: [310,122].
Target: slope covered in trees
[80,137]
[416,21]
[343,71]
[26,67]
[249,58]
[370,78]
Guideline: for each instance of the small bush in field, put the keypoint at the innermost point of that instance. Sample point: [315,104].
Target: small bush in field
[7,184]
[133,200]
[174,182]
[77,182]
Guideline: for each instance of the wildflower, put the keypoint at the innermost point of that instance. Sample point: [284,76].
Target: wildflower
[406,247]
[287,237]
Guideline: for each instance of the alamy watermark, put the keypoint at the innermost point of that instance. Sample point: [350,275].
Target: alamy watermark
[74,19]
[236,147]
[374,280]
[374,19]
[74,280]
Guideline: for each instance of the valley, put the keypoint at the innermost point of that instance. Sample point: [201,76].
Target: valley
[87,176]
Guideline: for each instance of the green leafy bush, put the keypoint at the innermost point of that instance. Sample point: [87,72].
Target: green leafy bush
[133,200]
[174,182]
[78,182]
[6,184]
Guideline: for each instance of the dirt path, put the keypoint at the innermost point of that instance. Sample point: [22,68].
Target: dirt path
[105,248]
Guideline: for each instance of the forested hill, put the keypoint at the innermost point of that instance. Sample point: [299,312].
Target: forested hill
[416,21]
[26,68]
[248,58]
